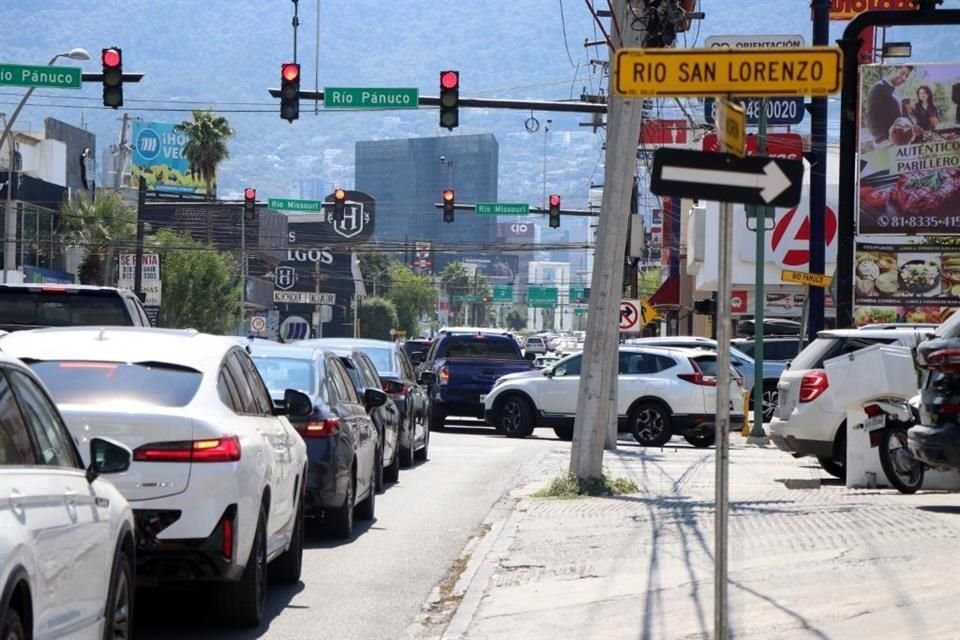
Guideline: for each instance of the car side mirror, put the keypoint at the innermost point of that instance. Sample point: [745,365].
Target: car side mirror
[787,365]
[107,456]
[373,398]
[549,372]
[428,377]
[392,387]
[296,404]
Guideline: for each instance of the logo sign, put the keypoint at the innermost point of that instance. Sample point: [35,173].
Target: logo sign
[790,240]
[304,297]
[809,279]
[294,328]
[148,144]
[731,126]
[357,224]
[847,9]
[738,301]
[664,133]
[811,71]
[158,157]
[779,145]
[284,278]
[723,177]
[258,323]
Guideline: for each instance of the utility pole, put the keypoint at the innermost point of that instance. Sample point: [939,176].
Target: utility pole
[120,162]
[596,419]
[138,262]
[818,175]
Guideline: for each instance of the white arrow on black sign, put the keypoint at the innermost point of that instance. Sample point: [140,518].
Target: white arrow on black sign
[723,177]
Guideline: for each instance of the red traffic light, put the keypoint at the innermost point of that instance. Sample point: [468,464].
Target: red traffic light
[249,193]
[448,195]
[290,71]
[449,79]
[110,57]
[554,201]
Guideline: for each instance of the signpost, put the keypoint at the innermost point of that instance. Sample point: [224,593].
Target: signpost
[370,98]
[811,71]
[286,204]
[542,297]
[28,75]
[809,279]
[501,209]
[731,126]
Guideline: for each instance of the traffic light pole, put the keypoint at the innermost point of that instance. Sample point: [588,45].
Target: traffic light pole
[138,261]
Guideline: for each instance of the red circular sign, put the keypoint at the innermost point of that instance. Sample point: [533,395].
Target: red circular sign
[798,235]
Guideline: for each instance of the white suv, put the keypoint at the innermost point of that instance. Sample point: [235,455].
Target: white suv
[217,478]
[66,536]
[809,420]
[661,392]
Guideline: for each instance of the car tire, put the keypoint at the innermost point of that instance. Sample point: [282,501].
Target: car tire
[11,627]
[564,433]
[422,453]
[341,518]
[406,453]
[701,441]
[769,401]
[378,469]
[834,464]
[391,473]
[832,467]
[286,568]
[241,603]
[515,416]
[118,616]
[650,424]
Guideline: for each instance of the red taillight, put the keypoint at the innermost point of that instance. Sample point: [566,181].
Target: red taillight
[211,450]
[321,428]
[872,410]
[698,378]
[444,376]
[226,547]
[945,360]
[52,288]
[813,385]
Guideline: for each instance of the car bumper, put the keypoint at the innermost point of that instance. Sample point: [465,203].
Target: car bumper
[809,431]
[937,446]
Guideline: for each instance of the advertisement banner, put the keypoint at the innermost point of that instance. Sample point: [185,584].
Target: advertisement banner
[158,156]
[909,149]
[906,282]
[849,9]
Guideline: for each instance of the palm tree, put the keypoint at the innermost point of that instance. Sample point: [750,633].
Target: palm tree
[206,145]
[102,226]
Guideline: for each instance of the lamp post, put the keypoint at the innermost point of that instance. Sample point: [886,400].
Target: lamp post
[546,130]
[10,216]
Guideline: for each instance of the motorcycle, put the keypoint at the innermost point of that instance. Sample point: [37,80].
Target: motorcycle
[887,424]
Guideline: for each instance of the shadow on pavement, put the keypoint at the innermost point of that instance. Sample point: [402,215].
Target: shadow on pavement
[318,535]
[941,508]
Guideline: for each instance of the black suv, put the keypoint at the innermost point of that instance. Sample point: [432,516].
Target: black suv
[34,306]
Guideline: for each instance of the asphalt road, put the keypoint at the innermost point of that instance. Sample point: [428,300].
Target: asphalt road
[374,585]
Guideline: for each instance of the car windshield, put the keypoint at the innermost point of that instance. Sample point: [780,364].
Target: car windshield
[96,383]
[60,309]
[382,359]
[285,373]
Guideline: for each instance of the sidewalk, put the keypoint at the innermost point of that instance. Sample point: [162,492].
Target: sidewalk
[825,562]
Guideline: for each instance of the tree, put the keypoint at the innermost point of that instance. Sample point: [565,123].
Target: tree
[102,226]
[412,295]
[206,145]
[516,319]
[456,282]
[201,285]
[377,317]
[375,269]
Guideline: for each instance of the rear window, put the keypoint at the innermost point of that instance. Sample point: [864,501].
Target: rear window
[382,359]
[46,309]
[280,374]
[825,348]
[91,383]
[482,348]
[416,347]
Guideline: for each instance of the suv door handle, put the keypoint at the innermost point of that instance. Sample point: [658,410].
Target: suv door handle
[16,502]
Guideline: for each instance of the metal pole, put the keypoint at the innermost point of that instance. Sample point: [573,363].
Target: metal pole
[10,218]
[138,262]
[818,174]
[243,260]
[761,237]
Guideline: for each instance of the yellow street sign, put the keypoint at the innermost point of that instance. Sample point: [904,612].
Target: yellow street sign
[809,279]
[731,126]
[648,313]
[810,71]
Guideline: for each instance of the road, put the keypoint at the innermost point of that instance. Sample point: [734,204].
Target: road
[374,585]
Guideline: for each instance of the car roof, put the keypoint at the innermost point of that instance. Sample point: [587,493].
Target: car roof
[184,347]
[657,339]
[873,333]
[37,286]
[346,343]
[277,350]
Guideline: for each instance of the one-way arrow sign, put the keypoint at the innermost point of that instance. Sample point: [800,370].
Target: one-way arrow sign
[723,177]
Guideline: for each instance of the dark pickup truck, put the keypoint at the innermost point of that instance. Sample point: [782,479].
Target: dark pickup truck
[466,366]
[35,306]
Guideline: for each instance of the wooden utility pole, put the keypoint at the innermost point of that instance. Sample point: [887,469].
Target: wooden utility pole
[596,420]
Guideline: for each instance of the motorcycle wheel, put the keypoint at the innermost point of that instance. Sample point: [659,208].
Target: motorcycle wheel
[903,471]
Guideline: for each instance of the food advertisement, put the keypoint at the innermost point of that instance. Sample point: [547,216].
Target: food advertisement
[906,282]
[909,175]
[158,156]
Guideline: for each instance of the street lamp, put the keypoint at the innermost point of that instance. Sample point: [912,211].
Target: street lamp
[10,217]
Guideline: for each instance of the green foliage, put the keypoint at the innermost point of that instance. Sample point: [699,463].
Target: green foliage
[516,320]
[206,145]
[201,286]
[102,225]
[568,486]
[412,295]
[375,269]
[377,317]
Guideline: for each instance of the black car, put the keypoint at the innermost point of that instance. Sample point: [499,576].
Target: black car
[386,418]
[34,306]
[936,440]
[343,446]
[417,349]
[400,382]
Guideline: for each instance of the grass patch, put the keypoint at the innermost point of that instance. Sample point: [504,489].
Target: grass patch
[568,486]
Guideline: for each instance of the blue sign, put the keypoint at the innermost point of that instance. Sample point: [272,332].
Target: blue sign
[158,156]
[780,111]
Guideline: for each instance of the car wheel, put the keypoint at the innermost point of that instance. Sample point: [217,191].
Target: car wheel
[515,416]
[119,613]
[286,568]
[769,401]
[391,473]
[378,469]
[423,453]
[701,441]
[650,423]
[564,433]
[367,507]
[241,603]
[406,453]
[12,627]
[341,521]
[834,465]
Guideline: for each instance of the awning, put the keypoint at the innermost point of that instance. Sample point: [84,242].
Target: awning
[668,294]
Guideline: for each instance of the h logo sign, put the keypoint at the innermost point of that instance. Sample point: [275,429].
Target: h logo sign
[285,278]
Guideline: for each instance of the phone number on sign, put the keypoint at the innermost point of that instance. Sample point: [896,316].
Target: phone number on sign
[915,222]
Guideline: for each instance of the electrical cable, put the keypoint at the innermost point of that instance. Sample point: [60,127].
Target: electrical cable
[563,27]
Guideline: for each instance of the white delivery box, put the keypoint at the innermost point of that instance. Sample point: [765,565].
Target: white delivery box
[880,371]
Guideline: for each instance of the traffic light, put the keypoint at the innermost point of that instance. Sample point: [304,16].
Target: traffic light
[339,203]
[554,211]
[112,60]
[290,91]
[448,200]
[249,204]
[449,99]
[705,306]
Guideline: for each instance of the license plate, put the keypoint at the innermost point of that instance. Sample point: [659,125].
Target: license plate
[874,423]
[482,397]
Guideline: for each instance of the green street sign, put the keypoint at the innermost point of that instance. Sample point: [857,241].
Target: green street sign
[501,209]
[466,298]
[28,75]
[542,297]
[370,98]
[503,294]
[578,293]
[286,204]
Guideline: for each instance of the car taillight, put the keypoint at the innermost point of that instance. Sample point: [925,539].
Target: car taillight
[226,544]
[225,449]
[444,376]
[813,385]
[872,410]
[321,428]
[52,288]
[698,378]
[945,360]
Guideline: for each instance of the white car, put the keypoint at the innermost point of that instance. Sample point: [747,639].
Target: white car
[66,536]
[809,420]
[535,345]
[661,392]
[217,477]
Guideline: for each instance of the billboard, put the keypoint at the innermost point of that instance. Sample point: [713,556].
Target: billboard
[909,141]
[158,156]
[849,9]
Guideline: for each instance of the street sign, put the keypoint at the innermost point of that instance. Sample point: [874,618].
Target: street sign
[501,209]
[811,71]
[466,298]
[647,313]
[630,315]
[731,126]
[503,294]
[258,323]
[781,111]
[810,279]
[542,297]
[286,204]
[578,293]
[28,75]
[370,98]
[722,177]
[304,297]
